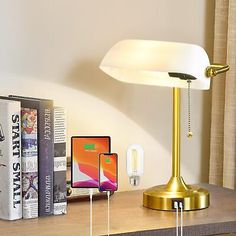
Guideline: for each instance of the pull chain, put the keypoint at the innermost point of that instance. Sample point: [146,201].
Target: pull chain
[190,133]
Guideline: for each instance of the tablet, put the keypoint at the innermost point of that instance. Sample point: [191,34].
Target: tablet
[85,152]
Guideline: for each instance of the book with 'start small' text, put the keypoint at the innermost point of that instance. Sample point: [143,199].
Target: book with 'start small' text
[10,160]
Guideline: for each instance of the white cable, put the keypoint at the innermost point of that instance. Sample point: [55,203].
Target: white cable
[176,206]
[181,218]
[91,211]
[108,213]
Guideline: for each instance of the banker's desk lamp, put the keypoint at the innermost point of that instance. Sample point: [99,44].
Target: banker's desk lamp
[169,64]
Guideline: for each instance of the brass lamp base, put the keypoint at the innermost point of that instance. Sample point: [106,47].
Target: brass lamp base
[162,197]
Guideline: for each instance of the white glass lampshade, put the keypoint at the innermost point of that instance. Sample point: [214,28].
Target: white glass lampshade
[157,63]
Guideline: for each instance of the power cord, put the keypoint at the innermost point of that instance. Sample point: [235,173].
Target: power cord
[181,218]
[177,206]
[91,211]
[108,213]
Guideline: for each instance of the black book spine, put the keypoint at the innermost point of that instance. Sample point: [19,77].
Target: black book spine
[46,160]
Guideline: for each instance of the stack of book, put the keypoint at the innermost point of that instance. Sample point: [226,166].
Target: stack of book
[32,158]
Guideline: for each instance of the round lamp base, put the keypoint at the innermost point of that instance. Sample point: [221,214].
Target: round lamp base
[162,197]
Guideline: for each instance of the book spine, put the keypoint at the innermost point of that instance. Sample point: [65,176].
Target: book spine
[10,161]
[46,160]
[29,143]
[60,190]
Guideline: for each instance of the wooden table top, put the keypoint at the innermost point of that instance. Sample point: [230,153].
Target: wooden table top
[128,215]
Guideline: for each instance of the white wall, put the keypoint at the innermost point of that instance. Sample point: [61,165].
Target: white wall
[53,48]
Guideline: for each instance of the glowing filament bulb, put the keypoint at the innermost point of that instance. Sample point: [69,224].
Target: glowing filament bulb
[135,164]
[134,160]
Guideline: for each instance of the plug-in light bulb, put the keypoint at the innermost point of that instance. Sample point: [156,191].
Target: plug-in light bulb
[134,163]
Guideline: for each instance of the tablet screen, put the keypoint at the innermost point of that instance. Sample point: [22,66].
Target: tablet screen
[85,159]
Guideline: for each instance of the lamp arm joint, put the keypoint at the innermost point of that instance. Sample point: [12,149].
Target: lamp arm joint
[216,69]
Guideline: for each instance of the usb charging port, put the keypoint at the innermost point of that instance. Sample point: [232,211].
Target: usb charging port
[177,202]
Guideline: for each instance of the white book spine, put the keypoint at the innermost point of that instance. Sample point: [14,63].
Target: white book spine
[10,160]
[60,200]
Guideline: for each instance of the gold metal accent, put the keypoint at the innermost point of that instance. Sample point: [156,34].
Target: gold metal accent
[176,133]
[216,69]
[69,191]
[162,197]
[190,134]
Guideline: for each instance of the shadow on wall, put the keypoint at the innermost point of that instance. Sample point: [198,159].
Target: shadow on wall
[86,76]
[138,102]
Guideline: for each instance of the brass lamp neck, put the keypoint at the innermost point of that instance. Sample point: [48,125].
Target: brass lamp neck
[176,134]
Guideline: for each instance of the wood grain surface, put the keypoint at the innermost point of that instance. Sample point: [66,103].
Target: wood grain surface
[128,216]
